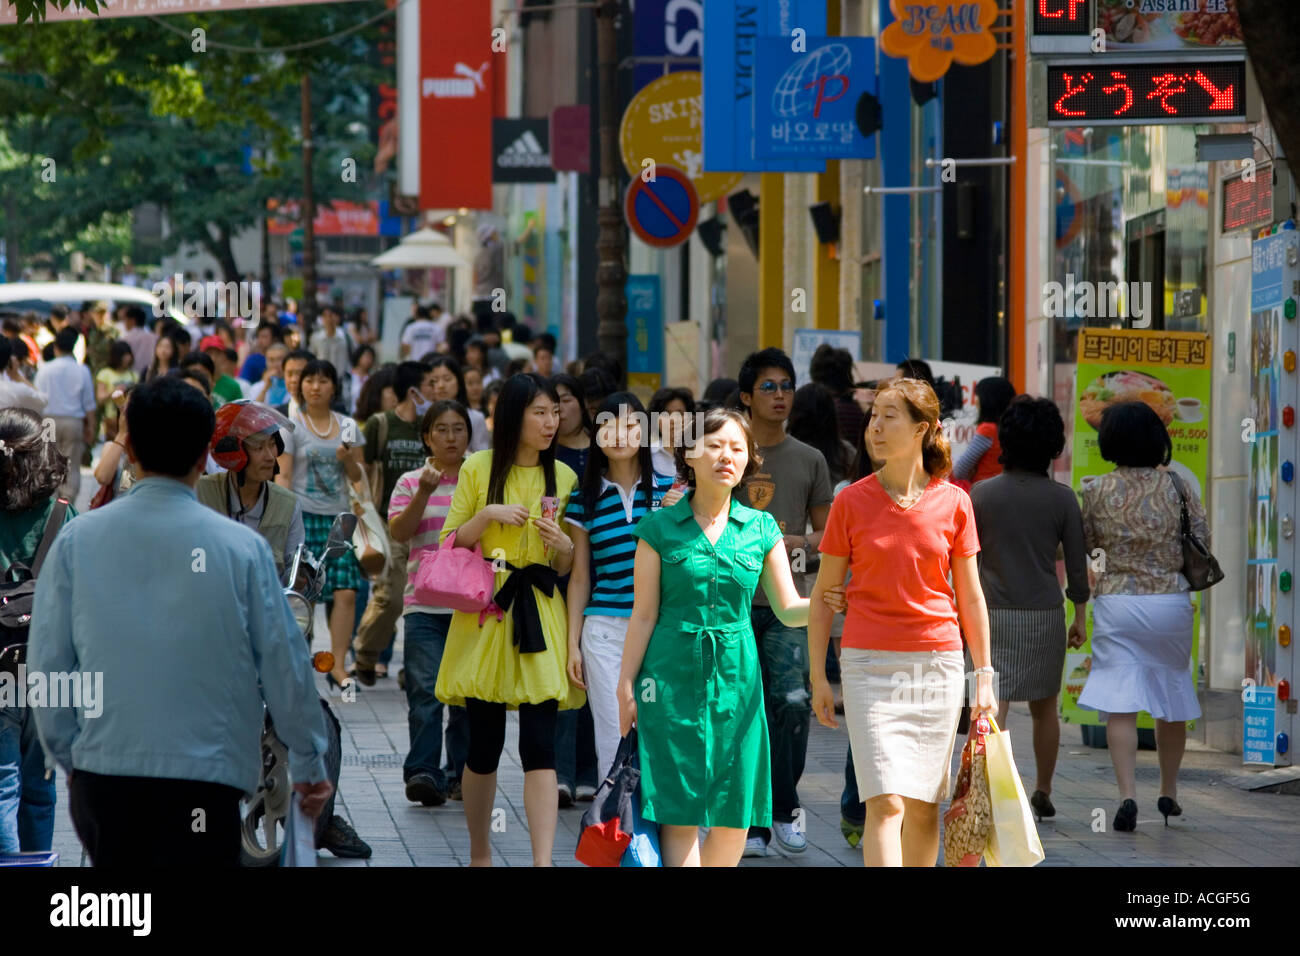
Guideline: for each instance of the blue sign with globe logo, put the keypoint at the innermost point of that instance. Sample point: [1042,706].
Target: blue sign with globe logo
[805,101]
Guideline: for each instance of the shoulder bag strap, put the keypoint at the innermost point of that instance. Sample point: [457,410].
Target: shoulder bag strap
[52,525]
[1178,486]
[375,483]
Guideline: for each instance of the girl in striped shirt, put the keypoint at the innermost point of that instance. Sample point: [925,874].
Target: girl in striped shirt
[416,513]
[619,488]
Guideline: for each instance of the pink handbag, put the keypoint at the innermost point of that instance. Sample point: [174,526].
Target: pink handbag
[455,578]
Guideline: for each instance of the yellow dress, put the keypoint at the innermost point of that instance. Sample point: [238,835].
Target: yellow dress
[484,662]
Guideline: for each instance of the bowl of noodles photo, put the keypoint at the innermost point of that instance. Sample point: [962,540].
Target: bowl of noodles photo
[1126,386]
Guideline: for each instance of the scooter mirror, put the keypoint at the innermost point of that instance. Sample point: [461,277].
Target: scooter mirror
[340,536]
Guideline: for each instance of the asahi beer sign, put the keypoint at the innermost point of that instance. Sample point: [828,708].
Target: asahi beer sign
[521,151]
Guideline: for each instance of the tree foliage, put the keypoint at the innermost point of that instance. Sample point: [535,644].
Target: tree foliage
[137,109]
[1271,30]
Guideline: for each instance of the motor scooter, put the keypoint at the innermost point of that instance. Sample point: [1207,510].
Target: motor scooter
[262,828]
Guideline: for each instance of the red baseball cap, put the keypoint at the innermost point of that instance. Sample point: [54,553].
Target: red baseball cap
[211,342]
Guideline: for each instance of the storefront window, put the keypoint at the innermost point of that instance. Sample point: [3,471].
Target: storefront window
[1131,215]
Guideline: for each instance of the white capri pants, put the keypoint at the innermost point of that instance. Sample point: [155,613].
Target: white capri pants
[602,659]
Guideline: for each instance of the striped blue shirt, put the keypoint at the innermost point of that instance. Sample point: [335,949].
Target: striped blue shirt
[612,545]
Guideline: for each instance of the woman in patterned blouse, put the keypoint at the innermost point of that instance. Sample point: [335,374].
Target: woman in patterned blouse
[1142,623]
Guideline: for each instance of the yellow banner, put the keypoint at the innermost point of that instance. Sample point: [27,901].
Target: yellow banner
[1189,350]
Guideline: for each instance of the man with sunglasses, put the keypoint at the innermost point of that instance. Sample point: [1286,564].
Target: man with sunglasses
[793,483]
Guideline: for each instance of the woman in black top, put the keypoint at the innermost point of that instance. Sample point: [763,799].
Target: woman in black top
[1022,516]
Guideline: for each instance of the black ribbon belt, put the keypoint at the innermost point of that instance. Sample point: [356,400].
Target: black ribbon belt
[519,587]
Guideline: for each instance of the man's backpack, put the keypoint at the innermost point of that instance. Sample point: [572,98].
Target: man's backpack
[18,594]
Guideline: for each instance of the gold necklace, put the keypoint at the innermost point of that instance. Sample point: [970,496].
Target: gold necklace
[712,521]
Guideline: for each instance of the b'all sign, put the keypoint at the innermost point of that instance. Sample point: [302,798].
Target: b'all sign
[804,103]
[456,62]
[932,36]
[521,151]
[732,29]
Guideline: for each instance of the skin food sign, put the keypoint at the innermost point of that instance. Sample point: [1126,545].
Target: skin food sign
[932,36]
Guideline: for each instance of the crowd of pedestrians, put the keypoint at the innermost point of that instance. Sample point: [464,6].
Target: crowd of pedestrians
[685,578]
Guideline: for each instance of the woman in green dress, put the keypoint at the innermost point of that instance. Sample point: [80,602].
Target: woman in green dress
[690,678]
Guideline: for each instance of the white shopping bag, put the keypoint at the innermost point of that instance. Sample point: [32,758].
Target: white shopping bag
[299,847]
[1013,838]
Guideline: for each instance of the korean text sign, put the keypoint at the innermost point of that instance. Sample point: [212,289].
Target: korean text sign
[805,102]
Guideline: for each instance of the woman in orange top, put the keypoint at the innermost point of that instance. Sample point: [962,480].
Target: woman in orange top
[982,456]
[901,531]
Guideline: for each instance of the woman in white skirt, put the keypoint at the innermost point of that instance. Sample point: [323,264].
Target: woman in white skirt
[1142,623]
[901,531]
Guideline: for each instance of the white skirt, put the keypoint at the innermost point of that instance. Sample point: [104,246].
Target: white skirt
[1141,657]
[902,710]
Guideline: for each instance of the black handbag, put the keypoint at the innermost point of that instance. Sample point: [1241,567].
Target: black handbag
[610,821]
[1199,566]
[18,594]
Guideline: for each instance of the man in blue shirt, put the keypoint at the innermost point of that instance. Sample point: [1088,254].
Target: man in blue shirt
[157,769]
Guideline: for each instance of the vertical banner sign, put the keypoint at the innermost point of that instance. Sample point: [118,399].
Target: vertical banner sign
[931,36]
[665,28]
[1270,541]
[456,91]
[804,103]
[645,336]
[1170,372]
[732,29]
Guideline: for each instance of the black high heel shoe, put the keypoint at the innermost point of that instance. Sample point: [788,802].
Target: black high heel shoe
[1169,807]
[335,685]
[1042,805]
[1126,817]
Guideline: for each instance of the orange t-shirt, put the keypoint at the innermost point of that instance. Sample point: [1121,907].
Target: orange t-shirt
[899,597]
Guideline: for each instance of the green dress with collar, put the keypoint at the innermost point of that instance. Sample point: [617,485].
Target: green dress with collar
[701,726]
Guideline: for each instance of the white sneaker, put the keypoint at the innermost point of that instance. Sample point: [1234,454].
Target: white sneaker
[791,840]
[586,792]
[755,846]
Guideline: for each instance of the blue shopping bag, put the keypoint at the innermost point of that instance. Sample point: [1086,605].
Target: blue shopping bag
[644,848]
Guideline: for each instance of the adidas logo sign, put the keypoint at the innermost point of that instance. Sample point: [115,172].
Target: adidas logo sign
[524,152]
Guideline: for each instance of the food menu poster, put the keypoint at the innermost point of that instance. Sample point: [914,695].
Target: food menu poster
[1170,372]
[1166,25]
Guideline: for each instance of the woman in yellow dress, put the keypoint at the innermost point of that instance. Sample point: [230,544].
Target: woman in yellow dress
[511,501]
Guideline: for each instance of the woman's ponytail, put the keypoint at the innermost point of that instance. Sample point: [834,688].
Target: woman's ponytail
[936,453]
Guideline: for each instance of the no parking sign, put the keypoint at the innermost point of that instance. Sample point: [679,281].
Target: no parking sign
[662,211]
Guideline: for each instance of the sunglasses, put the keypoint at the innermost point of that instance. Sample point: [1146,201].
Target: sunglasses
[769,387]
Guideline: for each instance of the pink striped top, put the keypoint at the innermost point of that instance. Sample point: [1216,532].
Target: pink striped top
[426,534]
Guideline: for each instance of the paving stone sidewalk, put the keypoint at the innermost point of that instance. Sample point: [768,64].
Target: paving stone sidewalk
[1221,824]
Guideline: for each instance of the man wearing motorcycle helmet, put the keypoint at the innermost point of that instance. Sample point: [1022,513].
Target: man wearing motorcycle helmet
[247,442]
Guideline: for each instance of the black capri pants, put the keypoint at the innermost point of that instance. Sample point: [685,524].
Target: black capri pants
[487,735]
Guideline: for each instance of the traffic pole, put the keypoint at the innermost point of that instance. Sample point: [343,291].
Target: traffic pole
[307,307]
[611,241]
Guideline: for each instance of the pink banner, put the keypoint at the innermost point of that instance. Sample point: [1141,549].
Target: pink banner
[151,8]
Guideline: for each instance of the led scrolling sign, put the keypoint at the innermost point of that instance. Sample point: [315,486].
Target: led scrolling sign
[1062,17]
[1152,91]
